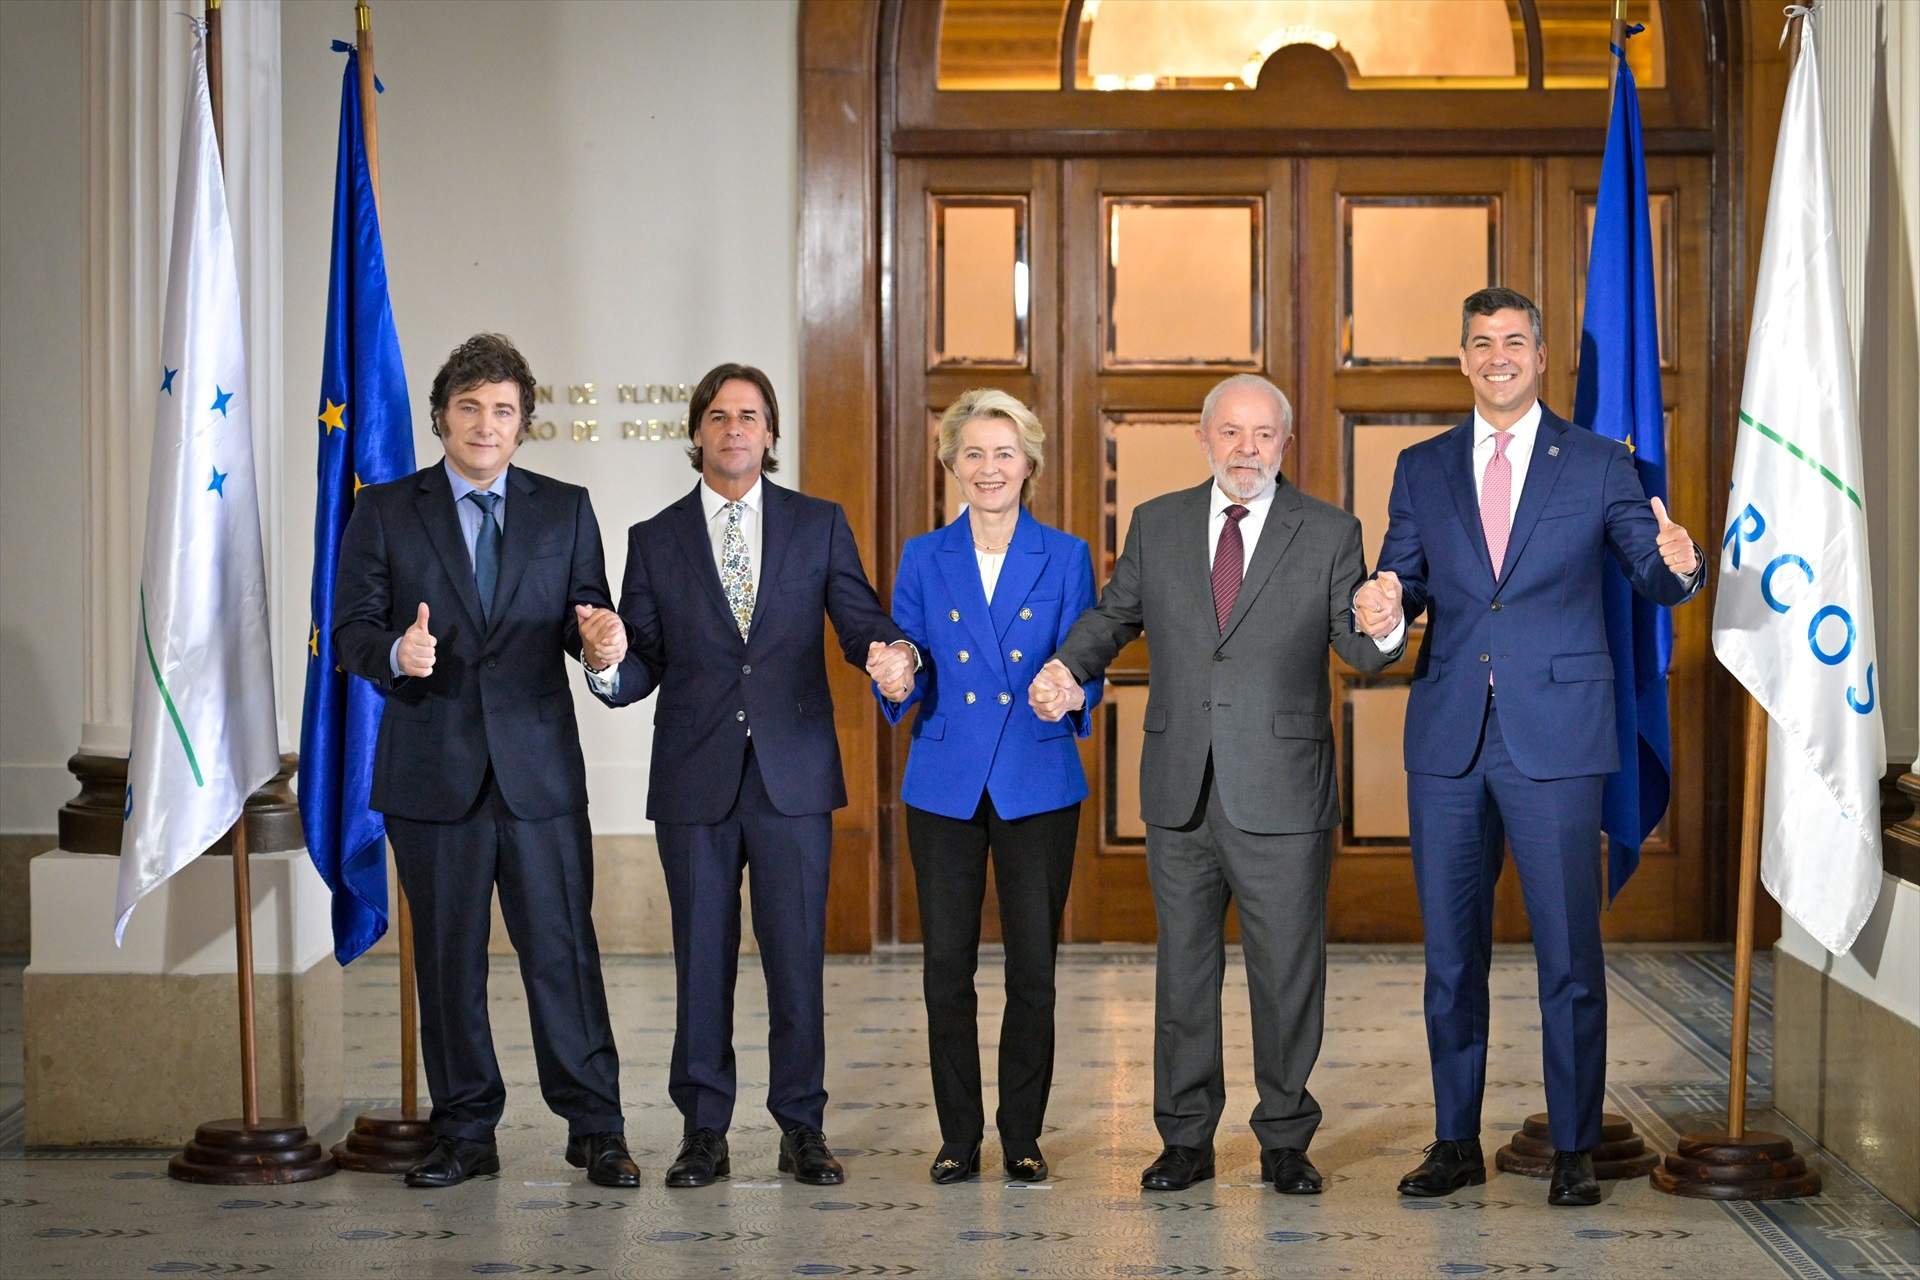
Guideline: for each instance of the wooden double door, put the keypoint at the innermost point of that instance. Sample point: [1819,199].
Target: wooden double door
[1110,294]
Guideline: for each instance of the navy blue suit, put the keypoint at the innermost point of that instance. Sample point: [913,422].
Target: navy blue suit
[1521,758]
[723,799]
[479,772]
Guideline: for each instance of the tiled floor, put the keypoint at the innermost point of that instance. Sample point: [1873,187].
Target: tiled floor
[117,1214]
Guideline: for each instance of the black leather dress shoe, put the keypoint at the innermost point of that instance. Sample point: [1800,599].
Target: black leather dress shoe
[1290,1172]
[703,1158]
[1177,1169]
[1573,1181]
[1449,1166]
[604,1156]
[804,1154]
[452,1161]
[956,1162]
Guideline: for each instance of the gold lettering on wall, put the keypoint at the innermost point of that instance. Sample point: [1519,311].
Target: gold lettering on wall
[587,430]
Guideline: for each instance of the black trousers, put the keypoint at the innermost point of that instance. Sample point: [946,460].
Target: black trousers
[1032,870]
[545,872]
[789,855]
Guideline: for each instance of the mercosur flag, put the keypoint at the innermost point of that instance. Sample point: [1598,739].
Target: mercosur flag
[1794,616]
[203,724]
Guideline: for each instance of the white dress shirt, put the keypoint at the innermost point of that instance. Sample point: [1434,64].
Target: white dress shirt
[1250,524]
[714,507]
[1519,457]
[990,563]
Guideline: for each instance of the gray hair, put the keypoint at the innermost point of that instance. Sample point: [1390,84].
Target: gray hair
[1238,381]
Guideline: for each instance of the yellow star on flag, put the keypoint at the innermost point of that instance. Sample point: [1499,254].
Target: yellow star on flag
[358,484]
[313,642]
[331,418]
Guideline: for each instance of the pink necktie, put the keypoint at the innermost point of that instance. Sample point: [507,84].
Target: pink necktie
[1496,500]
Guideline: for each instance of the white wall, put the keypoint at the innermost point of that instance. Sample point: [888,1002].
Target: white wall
[43,328]
[613,185]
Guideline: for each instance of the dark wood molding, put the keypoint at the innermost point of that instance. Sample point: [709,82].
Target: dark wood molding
[1265,142]
[839,287]
[1900,818]
[93,821]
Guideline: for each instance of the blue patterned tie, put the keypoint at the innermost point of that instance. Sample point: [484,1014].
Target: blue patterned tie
[736,569]
[486,552]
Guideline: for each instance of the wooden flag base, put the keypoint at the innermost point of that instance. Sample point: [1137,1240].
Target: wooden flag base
[1622,1152]
[384,1141]
[231,1153]
[1718,1166]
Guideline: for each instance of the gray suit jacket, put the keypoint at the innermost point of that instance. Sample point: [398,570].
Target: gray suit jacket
[1254,697]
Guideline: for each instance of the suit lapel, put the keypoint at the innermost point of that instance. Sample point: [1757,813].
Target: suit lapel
[1283,521]
[962,575]
[1026,561]
[1196,574]
[689,519]
[433,502]
[776,528]
[527,519]
[1542,470]
[1456,459]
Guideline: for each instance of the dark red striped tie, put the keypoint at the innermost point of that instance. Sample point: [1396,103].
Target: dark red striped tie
[1228,565]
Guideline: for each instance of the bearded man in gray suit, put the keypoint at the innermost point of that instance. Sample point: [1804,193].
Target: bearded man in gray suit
[1241,584]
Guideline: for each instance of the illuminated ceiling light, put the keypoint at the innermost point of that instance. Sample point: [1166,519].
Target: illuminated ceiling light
[1298,33]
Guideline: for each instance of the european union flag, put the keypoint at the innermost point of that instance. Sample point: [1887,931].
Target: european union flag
[1619,397]
[366,436]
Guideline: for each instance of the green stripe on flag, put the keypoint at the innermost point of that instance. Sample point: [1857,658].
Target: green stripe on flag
[185,742]
[1801,454]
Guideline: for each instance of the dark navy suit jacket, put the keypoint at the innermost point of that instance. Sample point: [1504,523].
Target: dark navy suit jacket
[975,732]
[713,685]
[1540,629]
[498,692]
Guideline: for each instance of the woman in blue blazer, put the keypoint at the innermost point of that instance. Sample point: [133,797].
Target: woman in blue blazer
[987,599]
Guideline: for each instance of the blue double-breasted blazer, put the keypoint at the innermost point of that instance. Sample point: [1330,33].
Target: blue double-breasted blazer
[975,732]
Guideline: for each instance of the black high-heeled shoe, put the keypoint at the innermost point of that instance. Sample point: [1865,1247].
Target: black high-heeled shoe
[956,1162]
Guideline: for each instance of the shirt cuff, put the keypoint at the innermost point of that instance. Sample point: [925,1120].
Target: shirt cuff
[1394,638]
[393,659]
[914,649]
[605,683]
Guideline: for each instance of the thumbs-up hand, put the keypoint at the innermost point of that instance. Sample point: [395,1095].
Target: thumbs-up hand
[1376,604]
[1675,543]
[417,646]
[603,637]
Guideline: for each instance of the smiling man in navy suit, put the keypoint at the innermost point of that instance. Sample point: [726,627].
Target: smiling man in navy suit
[1498,531]
[462,590]
[724,597]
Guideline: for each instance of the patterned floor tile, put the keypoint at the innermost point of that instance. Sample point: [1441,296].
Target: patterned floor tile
[113,1214]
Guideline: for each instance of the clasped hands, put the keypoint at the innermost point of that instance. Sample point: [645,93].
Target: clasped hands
[891,666]
[603,637]
[1376,605]
[1054,692]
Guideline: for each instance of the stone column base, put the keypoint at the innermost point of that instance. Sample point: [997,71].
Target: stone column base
[135,1046]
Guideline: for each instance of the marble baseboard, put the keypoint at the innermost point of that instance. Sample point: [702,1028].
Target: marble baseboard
[138,1060]
[1842,1070]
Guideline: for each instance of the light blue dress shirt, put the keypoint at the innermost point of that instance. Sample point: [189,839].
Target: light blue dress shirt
[470,517]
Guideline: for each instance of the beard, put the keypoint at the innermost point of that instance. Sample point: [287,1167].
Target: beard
[1242,482]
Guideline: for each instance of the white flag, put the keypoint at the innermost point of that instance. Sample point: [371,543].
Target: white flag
[204,734]
[1793,619]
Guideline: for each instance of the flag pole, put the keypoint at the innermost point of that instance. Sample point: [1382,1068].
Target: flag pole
[409,1015]
[1736,1164]
[247,1151]
[384,1141]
